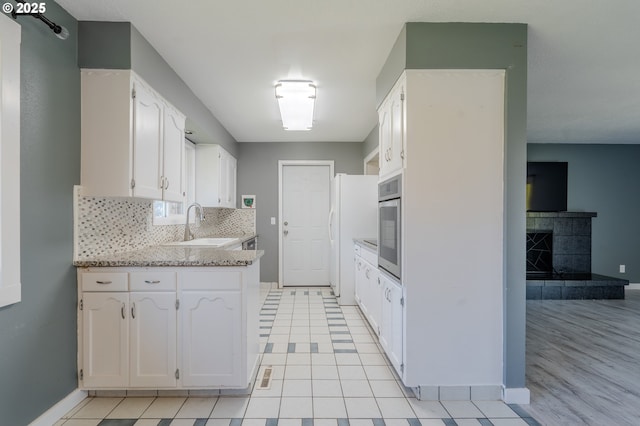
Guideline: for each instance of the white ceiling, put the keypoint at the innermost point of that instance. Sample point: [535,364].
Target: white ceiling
[583,76]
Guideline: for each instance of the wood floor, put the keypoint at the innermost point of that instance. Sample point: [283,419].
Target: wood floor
[583,361]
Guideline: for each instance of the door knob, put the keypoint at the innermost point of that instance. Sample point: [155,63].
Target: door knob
[286,232]
[286,223]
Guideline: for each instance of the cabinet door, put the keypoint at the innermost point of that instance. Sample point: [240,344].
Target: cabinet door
[212,338]
[373,296]
[105,340]
[223,179]
[231,188]
[359,284]
[173,155]
[147,143]
[395,340]
[384,122]
[385,315]
[153,339]
[396,145]
[207,175]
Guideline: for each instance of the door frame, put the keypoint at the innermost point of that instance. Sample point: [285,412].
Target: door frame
[369,157]
[281,165]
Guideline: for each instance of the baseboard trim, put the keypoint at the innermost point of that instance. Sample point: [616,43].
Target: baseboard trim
[516,395]
[55,413]
[632,286]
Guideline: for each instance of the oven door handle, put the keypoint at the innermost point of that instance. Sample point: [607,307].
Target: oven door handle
[329,226]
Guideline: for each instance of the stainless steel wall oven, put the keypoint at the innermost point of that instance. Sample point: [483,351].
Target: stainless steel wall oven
[389,226]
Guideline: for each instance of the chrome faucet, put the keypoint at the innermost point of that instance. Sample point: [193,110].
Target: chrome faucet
[188,235]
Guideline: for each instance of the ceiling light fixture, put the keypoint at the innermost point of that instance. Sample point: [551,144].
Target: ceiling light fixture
[296,99]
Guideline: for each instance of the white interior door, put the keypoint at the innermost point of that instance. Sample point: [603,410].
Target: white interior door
[306,191]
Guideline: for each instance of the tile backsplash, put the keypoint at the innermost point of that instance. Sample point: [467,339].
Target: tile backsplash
[104,225]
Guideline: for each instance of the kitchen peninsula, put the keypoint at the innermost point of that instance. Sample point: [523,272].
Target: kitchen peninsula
[158,313]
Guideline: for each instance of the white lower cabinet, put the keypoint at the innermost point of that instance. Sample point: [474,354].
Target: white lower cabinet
[391,322]
[368,287]
[375,302]
[105,340]
[211,331]
[128,338]
[360,285]
[153,358]
[168,328]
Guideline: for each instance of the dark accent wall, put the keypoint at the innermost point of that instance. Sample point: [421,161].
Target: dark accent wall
[603,179]
[258,175]
[484,46]
[38,335]
[119,45]
[104,45]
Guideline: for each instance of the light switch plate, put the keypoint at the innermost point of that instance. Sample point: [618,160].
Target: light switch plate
[273,220]
[623,269]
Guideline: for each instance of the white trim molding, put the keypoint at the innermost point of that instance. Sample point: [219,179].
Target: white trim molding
[281,164]
[55,413]
[516,395]
[10,36]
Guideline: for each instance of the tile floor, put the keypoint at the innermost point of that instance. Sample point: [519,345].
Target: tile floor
[327,370]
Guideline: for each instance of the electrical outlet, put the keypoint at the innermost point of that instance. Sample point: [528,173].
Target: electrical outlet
[273,220]
[623,269]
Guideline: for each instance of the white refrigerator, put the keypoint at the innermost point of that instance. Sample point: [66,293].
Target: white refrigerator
[353,214]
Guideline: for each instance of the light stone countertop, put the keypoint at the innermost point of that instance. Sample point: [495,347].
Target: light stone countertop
[364,242]
[175,256]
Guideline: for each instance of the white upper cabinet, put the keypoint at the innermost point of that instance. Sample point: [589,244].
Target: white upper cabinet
[391,117]
[175,187]
[147,143]
[216,171]
[132,139]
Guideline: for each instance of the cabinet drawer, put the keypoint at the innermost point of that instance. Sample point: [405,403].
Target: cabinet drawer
[211,280]
[152,281]
[104,281]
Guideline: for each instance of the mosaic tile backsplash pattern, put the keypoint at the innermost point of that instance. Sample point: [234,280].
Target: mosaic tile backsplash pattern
[114,225]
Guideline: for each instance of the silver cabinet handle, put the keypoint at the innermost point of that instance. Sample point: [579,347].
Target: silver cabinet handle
[167,183]
[122,310]
[133,311]
[103,282]
[152,281]
[368,271]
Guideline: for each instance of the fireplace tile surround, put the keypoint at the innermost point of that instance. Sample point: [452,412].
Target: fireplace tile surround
[569,275]
[571,238]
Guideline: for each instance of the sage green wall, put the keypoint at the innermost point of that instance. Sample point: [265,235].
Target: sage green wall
[485,46]
[119,45]
[258,175]
[371,142]
[603,179]
[394,66]
[38,335]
